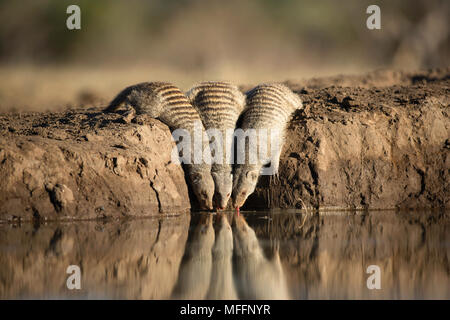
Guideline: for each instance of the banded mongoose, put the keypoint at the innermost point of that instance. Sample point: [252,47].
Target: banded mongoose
[269,106]
[169,104]
[219,105]
[258,278]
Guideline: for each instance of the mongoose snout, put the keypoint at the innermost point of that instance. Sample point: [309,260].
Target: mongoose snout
[223,186]
[246,178]
[204,192]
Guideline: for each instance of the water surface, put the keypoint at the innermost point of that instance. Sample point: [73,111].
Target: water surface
[256,255]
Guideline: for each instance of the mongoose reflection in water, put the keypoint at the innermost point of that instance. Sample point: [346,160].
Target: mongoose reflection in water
[270,107]
[219,105]
[222,283]
[194,276]
[257,276]
[166,102]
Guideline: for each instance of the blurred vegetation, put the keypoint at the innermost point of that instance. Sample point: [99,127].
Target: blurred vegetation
[184,41]
[197,34]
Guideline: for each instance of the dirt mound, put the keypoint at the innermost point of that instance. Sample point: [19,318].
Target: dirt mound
[375,141]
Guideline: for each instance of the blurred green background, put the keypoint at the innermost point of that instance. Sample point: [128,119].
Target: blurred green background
[184,41]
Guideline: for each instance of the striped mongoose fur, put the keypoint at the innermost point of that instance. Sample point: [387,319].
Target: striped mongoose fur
[269,106]
[219,105]
[166,102]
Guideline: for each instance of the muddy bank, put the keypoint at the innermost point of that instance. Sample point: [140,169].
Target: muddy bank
[376,141]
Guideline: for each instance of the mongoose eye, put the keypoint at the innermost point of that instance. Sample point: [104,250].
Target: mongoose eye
[253,175]
[228,194]
[196,178]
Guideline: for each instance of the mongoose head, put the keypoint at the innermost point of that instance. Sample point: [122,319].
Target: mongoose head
[223,181]
[244,183]
[203,186]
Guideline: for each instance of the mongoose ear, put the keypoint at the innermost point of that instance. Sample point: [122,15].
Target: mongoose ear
[195,178]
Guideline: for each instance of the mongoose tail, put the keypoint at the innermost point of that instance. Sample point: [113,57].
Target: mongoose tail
[219,105]
[166,102]
[269,106]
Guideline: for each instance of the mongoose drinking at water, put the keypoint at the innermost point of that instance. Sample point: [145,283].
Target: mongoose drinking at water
[270,107]
[219,105]
[166,102]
